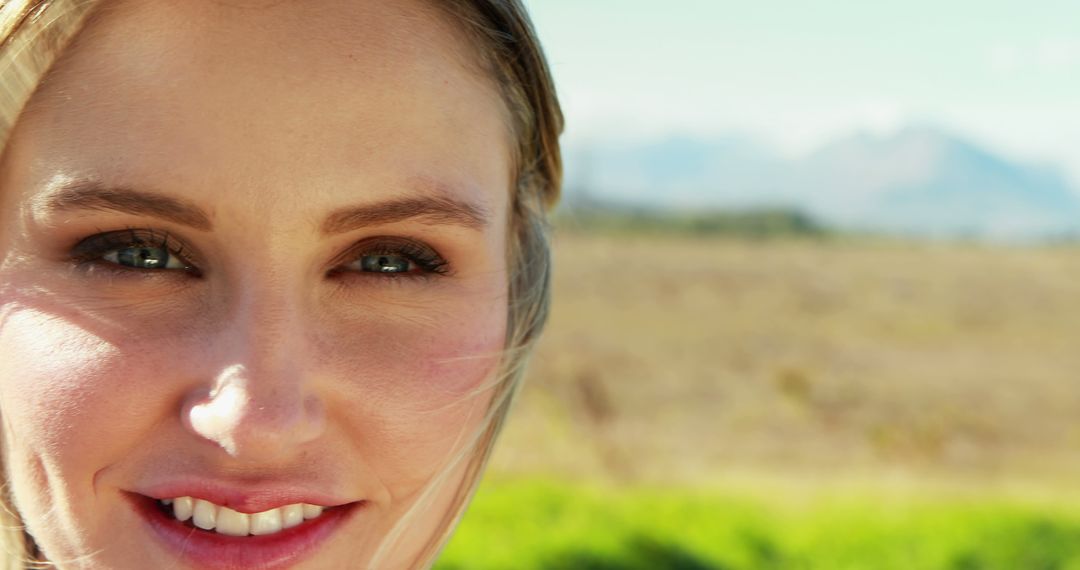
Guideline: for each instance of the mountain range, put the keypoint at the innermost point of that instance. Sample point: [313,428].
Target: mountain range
[918,181]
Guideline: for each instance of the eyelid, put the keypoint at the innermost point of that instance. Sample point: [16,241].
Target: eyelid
[91,249]
[415,250]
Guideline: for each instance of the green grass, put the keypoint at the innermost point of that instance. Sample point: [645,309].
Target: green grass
[538,524]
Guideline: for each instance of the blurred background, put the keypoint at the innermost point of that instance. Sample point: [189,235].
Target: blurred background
[817,293]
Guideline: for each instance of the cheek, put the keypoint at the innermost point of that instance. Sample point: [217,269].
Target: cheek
[53,371]
[424,360]
[419,390]
[56,382]
[59,380]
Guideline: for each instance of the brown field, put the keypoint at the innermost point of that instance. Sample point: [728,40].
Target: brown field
[682,359]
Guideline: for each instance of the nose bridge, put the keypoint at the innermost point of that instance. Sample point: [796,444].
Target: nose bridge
[259,402]
[267,317]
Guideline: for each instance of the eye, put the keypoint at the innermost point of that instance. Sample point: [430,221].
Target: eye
[385,264]
[144,258]
[134,250]
[393,257]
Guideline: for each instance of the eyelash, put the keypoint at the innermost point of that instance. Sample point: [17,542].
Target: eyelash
[90,252]
[426,259]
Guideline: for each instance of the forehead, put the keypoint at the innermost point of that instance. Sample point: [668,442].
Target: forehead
[318,95]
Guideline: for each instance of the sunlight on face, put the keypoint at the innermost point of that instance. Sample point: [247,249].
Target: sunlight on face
[253,255]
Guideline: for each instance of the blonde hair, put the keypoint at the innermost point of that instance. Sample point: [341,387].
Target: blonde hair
[34,34]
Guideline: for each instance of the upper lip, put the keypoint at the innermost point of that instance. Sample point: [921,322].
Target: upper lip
[246,497]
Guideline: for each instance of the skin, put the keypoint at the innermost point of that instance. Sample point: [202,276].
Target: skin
[279,360]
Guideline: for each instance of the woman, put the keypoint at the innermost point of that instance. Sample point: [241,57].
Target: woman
[268,274]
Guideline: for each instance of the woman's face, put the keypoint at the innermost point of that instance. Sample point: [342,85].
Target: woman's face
[251,253]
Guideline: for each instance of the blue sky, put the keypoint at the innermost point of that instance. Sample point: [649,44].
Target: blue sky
[797,74]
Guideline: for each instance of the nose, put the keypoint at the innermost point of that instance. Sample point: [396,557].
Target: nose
[259,404]
[251,420]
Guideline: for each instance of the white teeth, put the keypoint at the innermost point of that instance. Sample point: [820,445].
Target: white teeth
[205,514]
[266,522]
[232,523]
[208,516]
[182,508]
[312,511]
[292,515]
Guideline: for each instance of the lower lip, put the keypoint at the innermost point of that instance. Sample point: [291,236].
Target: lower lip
[213,551]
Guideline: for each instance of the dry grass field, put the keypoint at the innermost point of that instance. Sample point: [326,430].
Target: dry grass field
[688,359]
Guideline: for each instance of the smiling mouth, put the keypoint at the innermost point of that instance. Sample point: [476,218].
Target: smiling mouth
[204,515]
[213,537]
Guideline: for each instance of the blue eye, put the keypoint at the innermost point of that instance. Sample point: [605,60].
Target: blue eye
[136,250]
[144,258]
[386,264]
[393,257]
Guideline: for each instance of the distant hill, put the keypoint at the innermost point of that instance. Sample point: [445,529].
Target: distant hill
[920,181]
[760,223]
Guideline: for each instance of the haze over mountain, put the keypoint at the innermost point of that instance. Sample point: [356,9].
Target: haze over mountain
[920,181]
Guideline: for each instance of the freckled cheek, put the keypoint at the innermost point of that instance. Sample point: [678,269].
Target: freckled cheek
[419,363]
[412,392]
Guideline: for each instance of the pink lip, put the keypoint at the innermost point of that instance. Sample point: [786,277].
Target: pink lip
[213,551]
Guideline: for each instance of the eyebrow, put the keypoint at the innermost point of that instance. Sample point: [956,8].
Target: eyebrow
[92,195]
[428,209]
